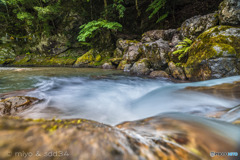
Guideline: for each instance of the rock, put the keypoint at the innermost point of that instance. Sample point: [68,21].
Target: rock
[13,105]
[214,54]
[122,65]
[86,59]
[155,35]
[141,67]
[229,12]
[127,67]
[156,52]
[15,93]
[116,61]
[132,53]
[156,74]
[226,90]
[196,25]
[223,67]
[194,134]
[108,66]
[52,45]
[118,53]
[176,72]
[124,44]
[161,137]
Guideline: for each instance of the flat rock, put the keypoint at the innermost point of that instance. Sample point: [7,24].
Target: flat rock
[13,105]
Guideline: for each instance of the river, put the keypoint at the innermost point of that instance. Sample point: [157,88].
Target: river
[109,96]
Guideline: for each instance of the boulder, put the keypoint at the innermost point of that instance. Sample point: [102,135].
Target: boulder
[141,67]
[13,105]
[108,66]
[176,72]
[156,74]
[132,53]
[156,52]
[214,54]
[196,25]
[85,59]
[170,136]
[229,12]
[155,35]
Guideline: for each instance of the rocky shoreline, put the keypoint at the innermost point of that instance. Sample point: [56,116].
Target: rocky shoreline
[213,53]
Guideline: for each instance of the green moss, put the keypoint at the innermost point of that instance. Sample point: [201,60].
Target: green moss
[86,58]
[98,58]
[215,42]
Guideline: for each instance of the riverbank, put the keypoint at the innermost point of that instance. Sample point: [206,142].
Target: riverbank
[204,47]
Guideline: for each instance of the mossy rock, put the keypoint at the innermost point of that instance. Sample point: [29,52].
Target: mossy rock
[220,41]
[214,49]
[85,59]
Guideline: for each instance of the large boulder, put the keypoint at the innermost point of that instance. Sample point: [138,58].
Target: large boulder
[229,12]
[214,54]
[141,67]
[170,136]
[196,25]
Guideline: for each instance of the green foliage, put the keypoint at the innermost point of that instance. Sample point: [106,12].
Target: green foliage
[183,47]
[118,5]
[90,29]
[155,7]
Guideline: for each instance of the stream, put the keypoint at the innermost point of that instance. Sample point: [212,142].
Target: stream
[108,96]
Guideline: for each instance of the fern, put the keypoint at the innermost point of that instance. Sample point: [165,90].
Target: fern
[90,29]
[155,7]
[183,48]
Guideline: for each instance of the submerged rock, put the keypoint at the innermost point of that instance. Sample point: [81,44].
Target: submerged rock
[13,105]
[226,90]
[229,12]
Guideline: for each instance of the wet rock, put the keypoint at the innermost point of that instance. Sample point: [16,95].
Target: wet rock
[141,67]
[176,72]
[13,105]
[15,93]
[196,25]
[170,136]
[217,52]
[226,90]
[108,66]
[156,74]
[127,68]
[229,12]
[188,132]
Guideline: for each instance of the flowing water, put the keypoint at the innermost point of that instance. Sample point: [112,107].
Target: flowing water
[108,96]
